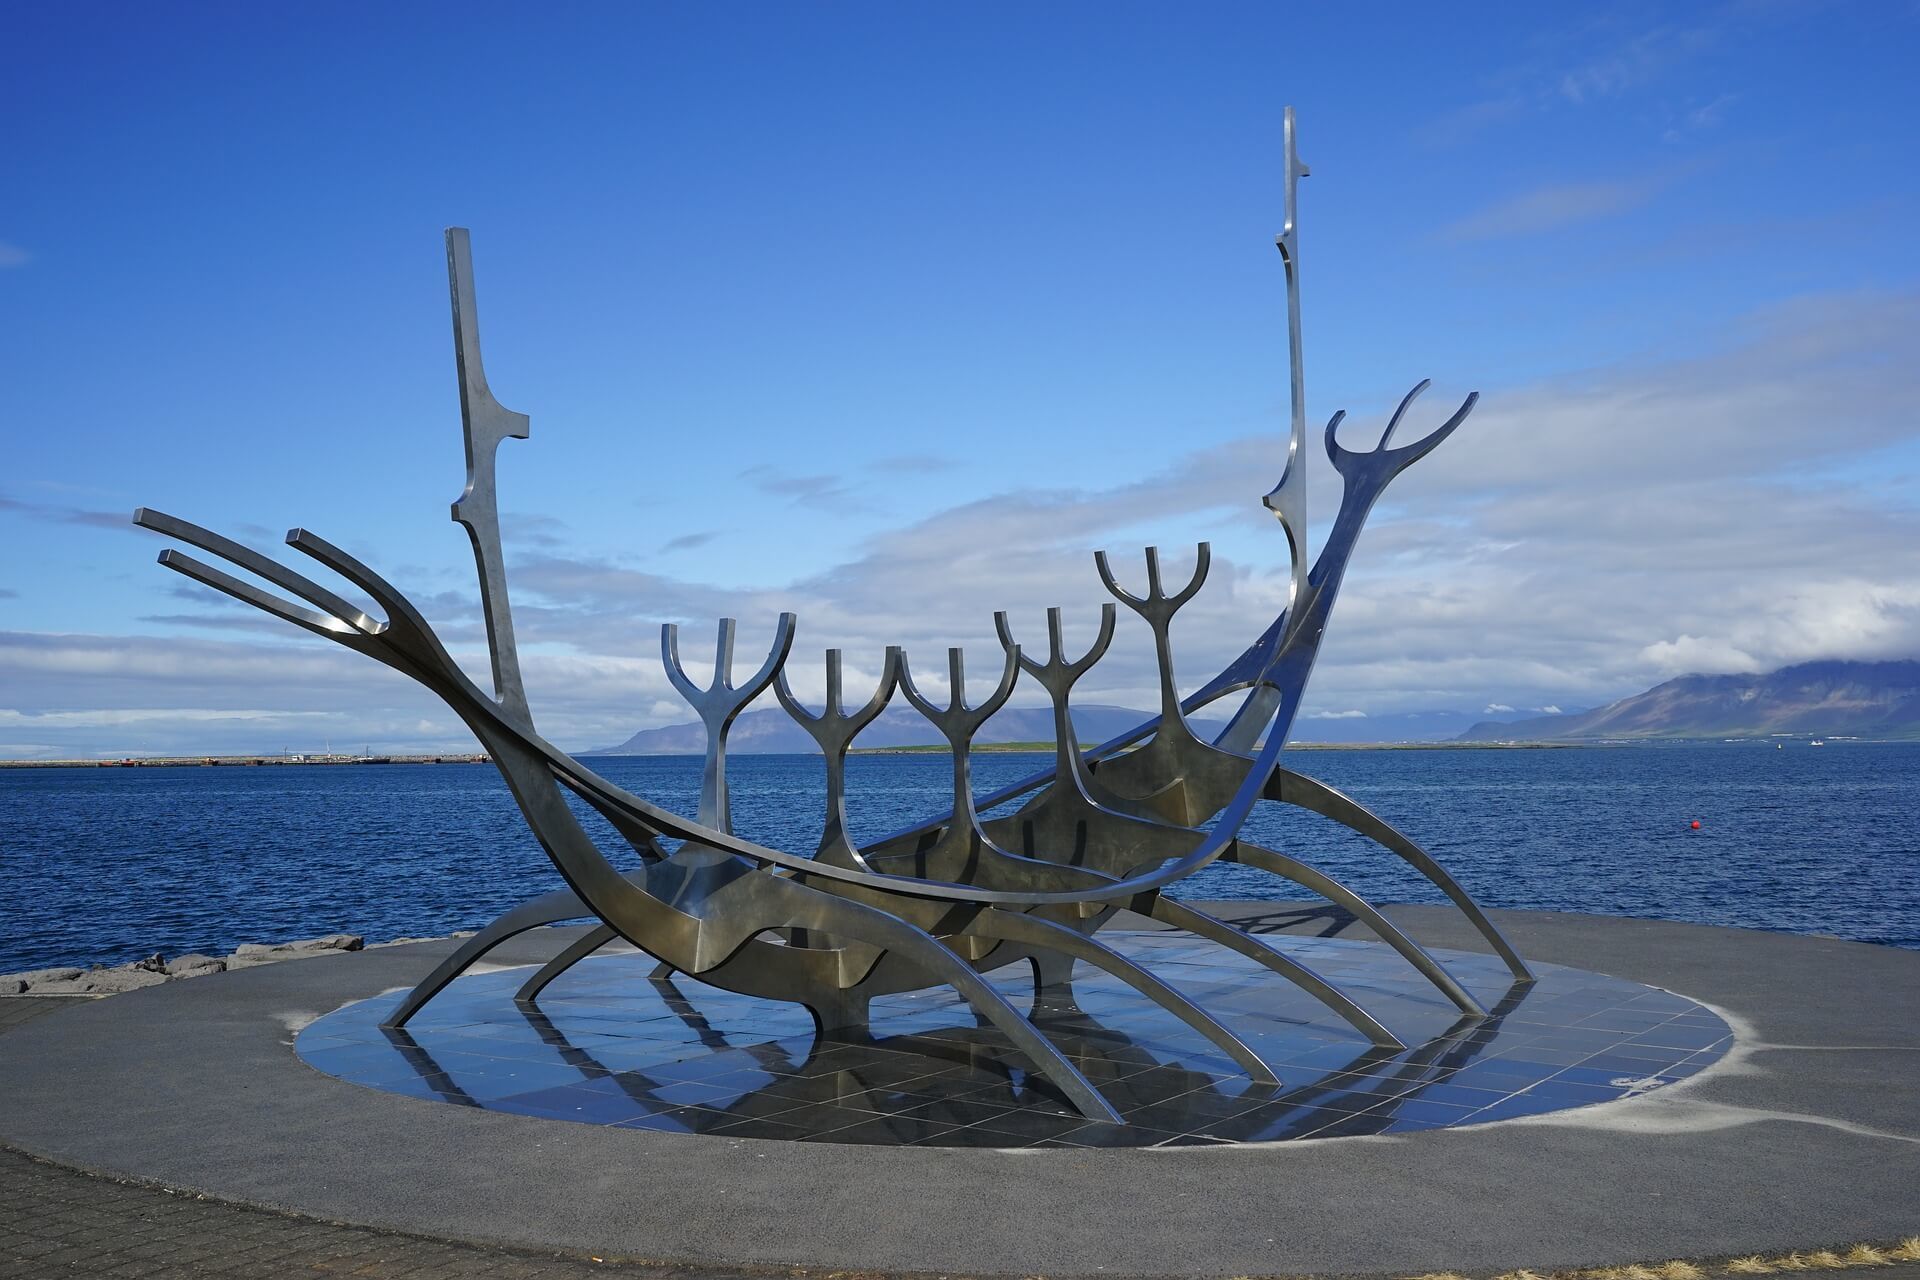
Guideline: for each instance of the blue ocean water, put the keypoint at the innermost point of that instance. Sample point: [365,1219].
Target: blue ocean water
[106,865]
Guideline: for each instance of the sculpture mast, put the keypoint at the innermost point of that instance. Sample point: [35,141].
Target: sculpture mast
[487,423]
[1288,500]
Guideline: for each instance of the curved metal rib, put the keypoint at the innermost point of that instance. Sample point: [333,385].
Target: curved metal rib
[1311,794]
[576,951]
[415,650]
[1012,926]
[919,947]
[731,912]
[1326,886]
[1180,915]
[562,904]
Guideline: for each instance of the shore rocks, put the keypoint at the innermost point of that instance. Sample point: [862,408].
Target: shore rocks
[156,968]
[34,977]
[249,954]
[332,942]
[102,982]
[407,942]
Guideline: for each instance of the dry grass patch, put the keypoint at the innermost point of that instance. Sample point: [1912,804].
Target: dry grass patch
[1852,1256]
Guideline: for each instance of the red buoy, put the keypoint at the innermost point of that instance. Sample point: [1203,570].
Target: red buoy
[1696,824]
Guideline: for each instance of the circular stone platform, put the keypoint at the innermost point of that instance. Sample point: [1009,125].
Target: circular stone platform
[1805,1133]
[607,1046]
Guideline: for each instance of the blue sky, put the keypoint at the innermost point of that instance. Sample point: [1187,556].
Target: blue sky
[890,314]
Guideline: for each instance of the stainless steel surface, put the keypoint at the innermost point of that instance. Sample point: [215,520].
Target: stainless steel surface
[954,896]
[1288,499]
[834,730]
[720,702]
[486,424]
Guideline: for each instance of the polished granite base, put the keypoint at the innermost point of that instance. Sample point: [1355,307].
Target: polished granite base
[607,1045]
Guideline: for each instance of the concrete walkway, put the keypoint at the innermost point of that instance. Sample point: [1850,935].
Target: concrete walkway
[56,1221]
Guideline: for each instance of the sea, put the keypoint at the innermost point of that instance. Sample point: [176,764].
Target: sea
[107,865]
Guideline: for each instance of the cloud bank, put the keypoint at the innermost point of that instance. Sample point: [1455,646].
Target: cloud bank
[1576,541]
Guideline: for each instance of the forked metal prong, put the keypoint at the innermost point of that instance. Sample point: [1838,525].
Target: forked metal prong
[258,565]
[1406,401]
[1376,466]
[406,628]
[1157,607]
[720,701]
[1056,668]
[200,571]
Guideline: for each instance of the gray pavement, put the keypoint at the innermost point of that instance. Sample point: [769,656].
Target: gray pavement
[1809,1136]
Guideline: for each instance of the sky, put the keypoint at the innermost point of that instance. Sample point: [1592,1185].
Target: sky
[892,315]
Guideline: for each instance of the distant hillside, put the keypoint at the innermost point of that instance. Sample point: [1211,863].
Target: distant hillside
[1858,699]
[1392,727]
[771,731]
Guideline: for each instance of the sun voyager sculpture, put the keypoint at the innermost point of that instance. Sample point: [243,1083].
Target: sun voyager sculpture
[956,896]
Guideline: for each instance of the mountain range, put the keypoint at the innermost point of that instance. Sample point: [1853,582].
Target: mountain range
[1836,698]
[771,731]
[1832,698]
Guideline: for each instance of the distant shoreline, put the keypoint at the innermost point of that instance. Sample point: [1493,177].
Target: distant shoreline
[939,749]
[1046,748]
[233,762]
[984,748]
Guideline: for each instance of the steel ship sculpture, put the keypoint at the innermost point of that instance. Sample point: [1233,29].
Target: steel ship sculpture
[957,896]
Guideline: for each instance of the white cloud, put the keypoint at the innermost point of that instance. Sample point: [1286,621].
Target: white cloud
[1336,715]
[119,716]
[1551,207]
[1575,542]
[1699,119]
[1631,62]
[1496,708]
